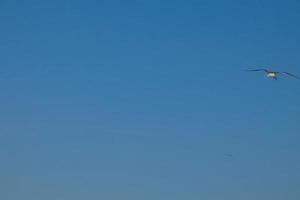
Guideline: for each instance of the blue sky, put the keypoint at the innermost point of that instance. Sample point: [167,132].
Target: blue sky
[142,99]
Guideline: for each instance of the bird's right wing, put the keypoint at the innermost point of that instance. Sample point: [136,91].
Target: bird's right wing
[256,70]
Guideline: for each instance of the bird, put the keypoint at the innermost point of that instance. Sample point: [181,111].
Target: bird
[273,74]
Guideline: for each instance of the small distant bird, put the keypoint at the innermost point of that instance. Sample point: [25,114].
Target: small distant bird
[273,74]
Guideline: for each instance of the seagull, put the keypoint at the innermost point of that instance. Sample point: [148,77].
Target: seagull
[273,74]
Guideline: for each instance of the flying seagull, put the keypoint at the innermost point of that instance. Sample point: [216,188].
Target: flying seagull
[273,74]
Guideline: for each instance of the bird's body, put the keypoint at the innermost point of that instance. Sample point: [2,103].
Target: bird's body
[273,74]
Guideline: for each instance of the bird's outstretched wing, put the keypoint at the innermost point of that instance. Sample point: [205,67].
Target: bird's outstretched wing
[256,70]
[292,75]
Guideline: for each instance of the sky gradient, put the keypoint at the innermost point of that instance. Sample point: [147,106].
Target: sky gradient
[144,100]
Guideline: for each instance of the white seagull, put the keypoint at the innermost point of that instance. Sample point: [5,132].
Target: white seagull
[273,74]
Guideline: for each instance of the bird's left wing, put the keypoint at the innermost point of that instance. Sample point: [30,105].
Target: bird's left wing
[287,73]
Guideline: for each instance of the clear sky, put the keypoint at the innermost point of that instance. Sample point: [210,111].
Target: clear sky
[145,100]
